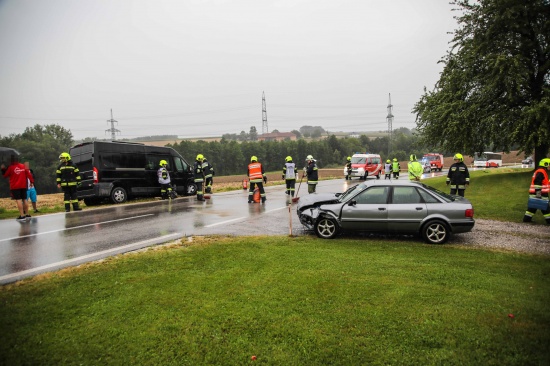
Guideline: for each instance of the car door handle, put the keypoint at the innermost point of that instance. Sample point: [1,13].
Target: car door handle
[381,209]
[419,209]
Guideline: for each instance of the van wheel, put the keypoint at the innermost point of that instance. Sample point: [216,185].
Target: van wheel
[365,176]
[119,195]
[191,189]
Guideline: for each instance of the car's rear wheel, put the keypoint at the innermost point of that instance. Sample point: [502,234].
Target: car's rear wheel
[119,195]
[326,228]
[435,232]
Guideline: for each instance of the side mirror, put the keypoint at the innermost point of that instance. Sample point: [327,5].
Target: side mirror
[352,203]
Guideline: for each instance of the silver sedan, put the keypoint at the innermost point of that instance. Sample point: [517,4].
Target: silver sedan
[390,207]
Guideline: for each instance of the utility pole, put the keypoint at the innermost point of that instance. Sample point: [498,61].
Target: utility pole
[264,115]
[389,118]
[112,130]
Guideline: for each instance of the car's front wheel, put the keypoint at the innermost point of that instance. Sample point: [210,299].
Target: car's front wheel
[119,195]
[191,189]
[326,228]
[435,232]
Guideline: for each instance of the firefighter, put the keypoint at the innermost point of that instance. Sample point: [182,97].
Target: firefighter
[395,168]
[289,176]
[198,175]
[540,188]
[208,170]
[458,176]
[387,169]
[164,180]
[348,168]
[257,177]
[312,174]
[415,168]
[68,178]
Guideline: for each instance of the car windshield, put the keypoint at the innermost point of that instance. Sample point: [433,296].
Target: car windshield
[358,160]
[446,197]
[351,191]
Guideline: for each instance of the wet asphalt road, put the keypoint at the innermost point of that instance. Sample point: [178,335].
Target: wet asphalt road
[51,242]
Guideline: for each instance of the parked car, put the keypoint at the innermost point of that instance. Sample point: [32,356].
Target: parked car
[388,206]
[527,161]
[122,170]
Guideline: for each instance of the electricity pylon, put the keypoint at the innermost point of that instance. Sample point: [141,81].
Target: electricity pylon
[389,118]
[113,130]
[264,115]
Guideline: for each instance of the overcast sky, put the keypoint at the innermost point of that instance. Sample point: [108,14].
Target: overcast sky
[199,67]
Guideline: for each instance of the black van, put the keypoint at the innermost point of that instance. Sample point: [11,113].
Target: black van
[121,170]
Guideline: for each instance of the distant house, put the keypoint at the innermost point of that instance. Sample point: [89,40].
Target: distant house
[276,136]
[354,134]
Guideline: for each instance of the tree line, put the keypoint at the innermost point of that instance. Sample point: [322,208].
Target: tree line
[41,146]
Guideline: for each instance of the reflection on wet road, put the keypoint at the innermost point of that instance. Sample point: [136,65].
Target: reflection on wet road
[51,242]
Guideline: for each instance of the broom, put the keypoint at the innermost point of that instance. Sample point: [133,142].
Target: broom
[295,199]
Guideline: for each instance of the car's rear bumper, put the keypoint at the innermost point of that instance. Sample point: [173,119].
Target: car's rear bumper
[462,227]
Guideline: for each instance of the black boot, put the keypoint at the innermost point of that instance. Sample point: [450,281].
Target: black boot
[67,207]
[76,208]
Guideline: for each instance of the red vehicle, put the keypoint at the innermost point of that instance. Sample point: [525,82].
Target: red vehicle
[433,160]
[364,165]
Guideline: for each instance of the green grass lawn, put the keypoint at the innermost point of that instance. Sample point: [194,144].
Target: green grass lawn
[288,301]
[294,301]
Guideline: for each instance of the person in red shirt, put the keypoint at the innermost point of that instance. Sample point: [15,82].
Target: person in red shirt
[19,177]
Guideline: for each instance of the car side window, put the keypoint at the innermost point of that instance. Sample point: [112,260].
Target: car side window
[373,195]
[428,198]
[404,195]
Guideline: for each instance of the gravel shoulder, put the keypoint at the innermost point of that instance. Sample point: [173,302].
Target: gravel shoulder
[510,236]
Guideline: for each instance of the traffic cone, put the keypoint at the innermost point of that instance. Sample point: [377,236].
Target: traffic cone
[256,195]
[245,184]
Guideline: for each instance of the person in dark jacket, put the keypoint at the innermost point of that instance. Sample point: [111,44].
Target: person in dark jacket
[348,168]
[68,178]
[458,177]
[198,175]
[208,170]
[312,174]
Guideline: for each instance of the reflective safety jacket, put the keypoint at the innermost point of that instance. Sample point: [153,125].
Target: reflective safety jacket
[458,176]
[198,172]
[67,174]
[255,172]
[540,182]
[415,170]
[163,175]
[289,171]
[387,168]
[395,167]
[208,169]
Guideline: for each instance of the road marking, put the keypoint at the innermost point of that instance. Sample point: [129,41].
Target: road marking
[85,258]
[76,227]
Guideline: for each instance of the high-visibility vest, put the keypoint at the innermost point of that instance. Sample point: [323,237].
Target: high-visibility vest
[545,187]
[255,172]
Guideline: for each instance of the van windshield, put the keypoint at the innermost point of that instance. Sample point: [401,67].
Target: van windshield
[430,158]
[358,160]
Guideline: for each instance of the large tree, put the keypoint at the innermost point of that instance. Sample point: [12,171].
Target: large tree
[493,92]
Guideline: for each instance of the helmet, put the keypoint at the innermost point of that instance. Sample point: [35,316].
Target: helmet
[288,158]
[309,157]
[412,157]
[394,159]
[200,157]
[64,156]
[388,161]
[254,158]
[458,157]
[545,162]
[349,158]
[163,163]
